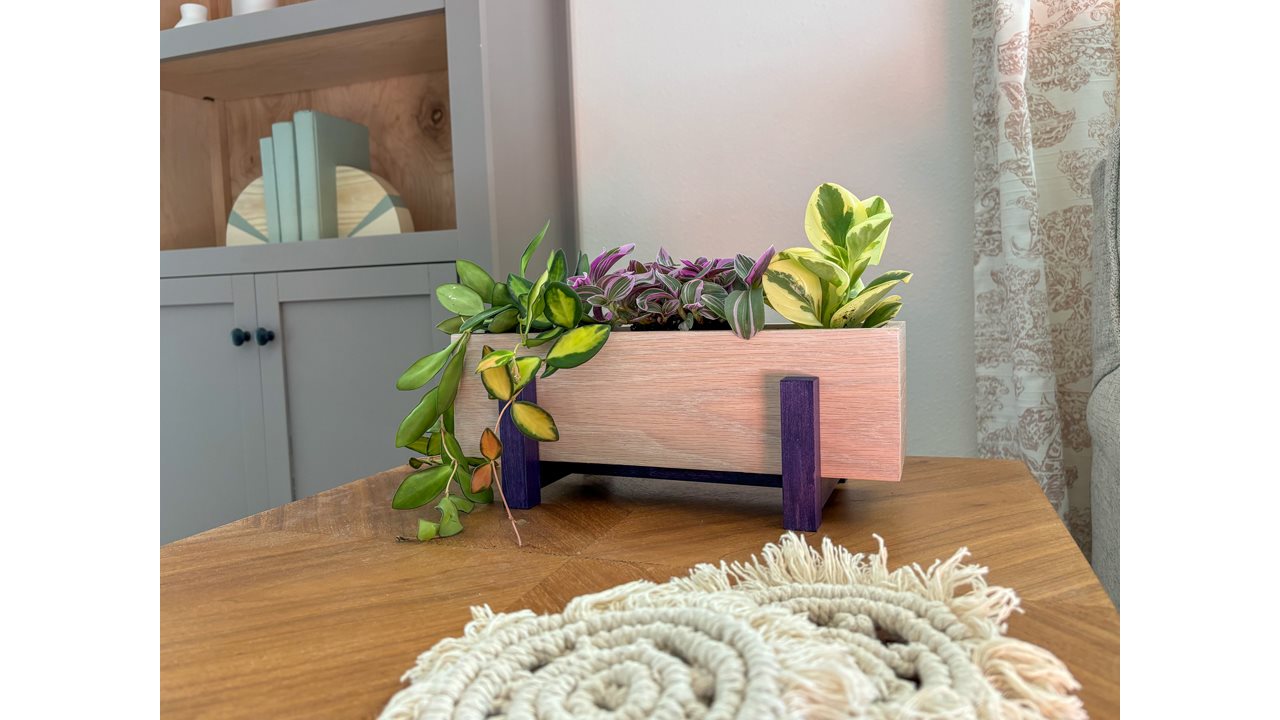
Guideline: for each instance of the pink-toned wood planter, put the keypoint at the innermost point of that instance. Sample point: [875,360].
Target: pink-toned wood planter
[708,402]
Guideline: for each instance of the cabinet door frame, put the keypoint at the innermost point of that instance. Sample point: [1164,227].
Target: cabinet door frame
[239,292]
[275,289]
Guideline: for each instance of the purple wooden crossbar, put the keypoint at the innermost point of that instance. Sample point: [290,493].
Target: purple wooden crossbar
[804,490]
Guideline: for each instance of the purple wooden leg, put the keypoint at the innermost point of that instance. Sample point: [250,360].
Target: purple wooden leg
[521,477]
[804,492]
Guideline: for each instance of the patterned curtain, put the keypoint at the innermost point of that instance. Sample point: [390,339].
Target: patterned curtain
[1045,94]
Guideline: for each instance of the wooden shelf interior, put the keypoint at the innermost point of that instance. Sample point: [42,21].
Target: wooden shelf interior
[391,76]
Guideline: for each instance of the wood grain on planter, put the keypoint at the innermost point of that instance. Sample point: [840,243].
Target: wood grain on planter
[708,400]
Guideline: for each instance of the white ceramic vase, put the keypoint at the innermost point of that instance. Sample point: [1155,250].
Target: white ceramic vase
[244,7]
[192,13]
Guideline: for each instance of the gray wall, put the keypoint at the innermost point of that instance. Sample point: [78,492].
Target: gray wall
[704,127]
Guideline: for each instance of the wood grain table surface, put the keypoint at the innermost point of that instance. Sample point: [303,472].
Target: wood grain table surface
[313,609]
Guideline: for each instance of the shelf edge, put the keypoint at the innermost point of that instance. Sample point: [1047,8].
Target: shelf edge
[291,21]
[408,249]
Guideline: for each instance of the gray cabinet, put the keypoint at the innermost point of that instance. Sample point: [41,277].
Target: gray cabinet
[248,427]
[329,380]
[212,463]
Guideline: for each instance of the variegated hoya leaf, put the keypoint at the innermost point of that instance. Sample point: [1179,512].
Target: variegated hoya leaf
[563,306]
[577,346]
[522,370]
[496,379]
[534,422]
[495,359]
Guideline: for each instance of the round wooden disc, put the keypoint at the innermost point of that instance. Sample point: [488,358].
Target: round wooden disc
[247,224]
[368,205]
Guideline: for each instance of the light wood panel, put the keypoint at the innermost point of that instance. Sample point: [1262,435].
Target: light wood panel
[708,400]
[187,213]
[313,609]
[370,52]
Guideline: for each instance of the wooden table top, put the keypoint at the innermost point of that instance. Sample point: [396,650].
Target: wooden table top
[315,609]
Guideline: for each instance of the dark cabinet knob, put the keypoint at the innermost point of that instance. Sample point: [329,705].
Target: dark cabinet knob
[239,337]
[265,336]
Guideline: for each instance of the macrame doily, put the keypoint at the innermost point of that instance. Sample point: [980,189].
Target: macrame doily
[796,633]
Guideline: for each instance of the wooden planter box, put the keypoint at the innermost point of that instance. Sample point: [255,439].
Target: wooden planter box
[706,402]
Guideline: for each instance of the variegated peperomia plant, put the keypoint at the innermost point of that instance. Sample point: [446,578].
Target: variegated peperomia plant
[821,286]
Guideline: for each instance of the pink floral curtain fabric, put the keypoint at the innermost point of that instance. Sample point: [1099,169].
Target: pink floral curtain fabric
[1046,87]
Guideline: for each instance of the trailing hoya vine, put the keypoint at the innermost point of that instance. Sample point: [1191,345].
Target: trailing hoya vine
[816,287]
[542,310]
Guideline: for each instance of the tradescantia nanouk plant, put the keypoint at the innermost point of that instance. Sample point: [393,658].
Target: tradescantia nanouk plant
[818,286]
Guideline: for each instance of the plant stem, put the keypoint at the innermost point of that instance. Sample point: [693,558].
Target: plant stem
[497,473]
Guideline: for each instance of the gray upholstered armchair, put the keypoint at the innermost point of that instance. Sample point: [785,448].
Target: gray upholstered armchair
[1104,401]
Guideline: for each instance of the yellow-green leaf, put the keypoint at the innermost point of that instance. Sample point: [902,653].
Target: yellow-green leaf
[818,264]
[831,211]
[556,270]
[421,487]
[460,299]
[449,524]
[504,321]
[883,312]
[419,446]
[794,292]
[427,529]
[502,295]
[532,247]
[577,346]
[449,380]
[421,372]
[498,382]
[452,325]
[563,306]
[463,504]
[856,311]
[544,337]
[418,420]
[476,278]
[490,445]
[495,359]
[523,370]
[534,421]
[452,449]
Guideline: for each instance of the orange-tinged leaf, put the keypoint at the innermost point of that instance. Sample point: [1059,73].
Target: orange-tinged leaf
[481,477]
[490,445]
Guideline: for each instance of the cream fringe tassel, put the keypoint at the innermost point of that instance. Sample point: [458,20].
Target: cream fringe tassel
[798,632]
